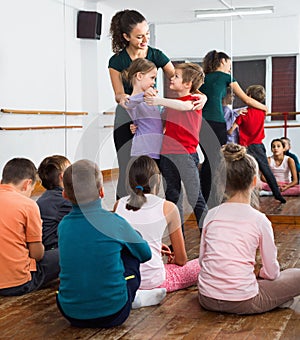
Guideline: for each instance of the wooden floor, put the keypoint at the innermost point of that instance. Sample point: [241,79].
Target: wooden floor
[35,315]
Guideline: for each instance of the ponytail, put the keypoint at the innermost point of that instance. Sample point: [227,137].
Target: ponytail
[143,177]
[212,61]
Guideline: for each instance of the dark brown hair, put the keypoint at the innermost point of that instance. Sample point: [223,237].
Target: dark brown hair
[82,182]
[191,72]
[50,169]
[278,140]
[143,175]
[212,60]
[123,22]
[18,169]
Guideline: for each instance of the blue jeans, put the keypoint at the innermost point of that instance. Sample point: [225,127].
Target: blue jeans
[258,151]
[183,167]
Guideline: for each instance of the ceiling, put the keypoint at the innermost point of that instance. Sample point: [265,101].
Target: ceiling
[176,11]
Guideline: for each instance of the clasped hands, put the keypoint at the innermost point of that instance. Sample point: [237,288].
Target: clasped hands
[166,251]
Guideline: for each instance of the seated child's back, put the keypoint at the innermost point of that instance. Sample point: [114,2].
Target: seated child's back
[53,206]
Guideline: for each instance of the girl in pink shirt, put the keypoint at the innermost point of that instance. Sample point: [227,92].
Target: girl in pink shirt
[232,233]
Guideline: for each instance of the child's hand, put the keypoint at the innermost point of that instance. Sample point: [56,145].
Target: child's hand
[283,187]
[150,92]
[124,100]
[166,251]
[200,100]
[242,112]
[152,100]
[133,128]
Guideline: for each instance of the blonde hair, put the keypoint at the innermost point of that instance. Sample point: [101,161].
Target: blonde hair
[82,182]
[141,65]
[191,72]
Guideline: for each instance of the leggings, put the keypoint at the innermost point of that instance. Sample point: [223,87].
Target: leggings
[123,142]
[179,277]
[212,136]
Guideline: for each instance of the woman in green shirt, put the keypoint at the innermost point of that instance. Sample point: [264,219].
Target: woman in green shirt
[217,68]
[130,36]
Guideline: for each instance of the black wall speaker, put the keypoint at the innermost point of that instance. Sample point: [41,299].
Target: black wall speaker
[89,25]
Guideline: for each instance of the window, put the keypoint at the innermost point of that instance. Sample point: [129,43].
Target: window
[249,72]
[283,86]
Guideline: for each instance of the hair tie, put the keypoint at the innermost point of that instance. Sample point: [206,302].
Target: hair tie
[139,187]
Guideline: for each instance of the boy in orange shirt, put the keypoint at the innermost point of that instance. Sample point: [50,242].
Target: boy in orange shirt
[24,266]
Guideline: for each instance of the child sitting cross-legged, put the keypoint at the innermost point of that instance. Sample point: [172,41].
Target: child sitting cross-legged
[100,256]
[24,264]
[53,206]
[232,234]
[155,218]
[284,170]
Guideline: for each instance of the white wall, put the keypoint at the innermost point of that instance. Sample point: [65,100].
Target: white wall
[247,37]
[43,66]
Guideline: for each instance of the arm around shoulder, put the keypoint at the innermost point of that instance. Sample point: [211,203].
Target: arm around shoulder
[246,99]
[116,81]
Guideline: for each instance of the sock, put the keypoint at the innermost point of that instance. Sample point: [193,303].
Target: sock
[265,193]
[151,297]
[287,304]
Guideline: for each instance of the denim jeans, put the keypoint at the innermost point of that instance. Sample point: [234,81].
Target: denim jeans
[183,167]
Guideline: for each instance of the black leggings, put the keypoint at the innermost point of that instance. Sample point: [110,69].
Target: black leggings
[123,142]
[212,136]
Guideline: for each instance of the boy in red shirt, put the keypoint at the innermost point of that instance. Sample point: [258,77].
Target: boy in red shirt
[179,158]
[252,133]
